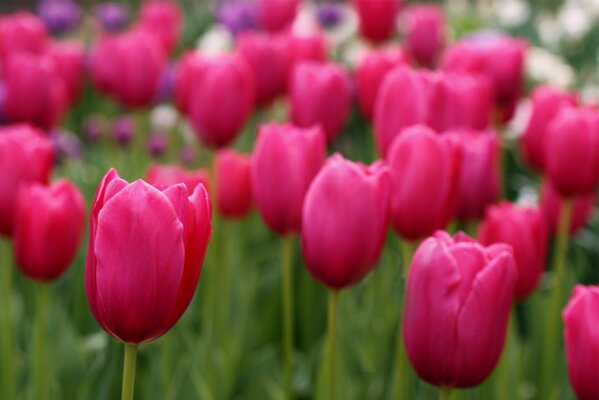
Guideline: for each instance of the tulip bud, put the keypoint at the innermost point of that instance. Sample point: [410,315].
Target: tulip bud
[546,104]
[309,46]
[377,18]
[157,144]
[163,19]
[285,161]
[26,155]
[320,94]
[458,300]
[68,58]
[581,340]
[525,230]
[425,172]
[425,32]
[480,175]
[551,204]
[49,223]
[276,15]
[146,248]
[344,221]
[572,151]
[168,175]
[123,130]
[21,32]
[233,183]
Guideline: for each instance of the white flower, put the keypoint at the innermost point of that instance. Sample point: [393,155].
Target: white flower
[527,196]
[163,118]
[544,66]
[519,121]
[575,20]
[217,40]
[550,31]
[512,13]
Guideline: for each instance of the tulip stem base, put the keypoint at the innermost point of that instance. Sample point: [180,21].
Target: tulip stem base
[39,354]
[444,393]
[129,371]
[287,293]
[332,343]
[8,383]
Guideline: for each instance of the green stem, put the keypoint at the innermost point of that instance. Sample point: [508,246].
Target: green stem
[287,293]
[402,364]
[444,393]
[407,250]
[332,342]
[503,381]
[552,327]
[129,371]
[39,362]
[8,351]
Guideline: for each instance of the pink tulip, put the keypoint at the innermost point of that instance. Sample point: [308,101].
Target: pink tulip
[276,15]
[26,155]
[425,32]
[458,300]
[309,46]
[168,175]
[525,230]
[164,19]
[146,248]
[546,104]
[22,32]
[344,221]
[69,59]
[551,203]
[581,341]
[190,66]
[320,94]
[572,151]
[49,223]
[233,183]
[285,161]
[377,18]
[425,172]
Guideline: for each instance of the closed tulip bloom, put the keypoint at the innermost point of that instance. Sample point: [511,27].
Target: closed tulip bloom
[572,151]
[524,229]
[284,162]
[546,104]
[458,300]
[164,19]
[189,67]
[69,59]
[581,340]
[221,99]
[146,248]
[480,174]
[320,94]
[269,57]
[22,32]
[425,32]
[370,72]
[49,223]
[344,221]
[551,203]
[167,175]
[377,18]
[425,172]
[308,46]
[233,183]
[276,15]
[26,155]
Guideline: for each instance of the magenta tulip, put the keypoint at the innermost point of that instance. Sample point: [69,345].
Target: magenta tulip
[320,95]
[26,155]
[309,46]
[164,19]
[525,230]
[377,18]
[22,32]
[146,248]
[285,161]
[233,183]
[168,175]
[344,221]
[190,66]
[69,60]
[49,224]
[425,32]
[458,300]
[551,203]
[276,15]
[425,172]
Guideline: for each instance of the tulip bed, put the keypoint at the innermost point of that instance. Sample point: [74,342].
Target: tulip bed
[276,199]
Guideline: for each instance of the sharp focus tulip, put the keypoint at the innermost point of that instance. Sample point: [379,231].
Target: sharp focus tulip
[425,32]
[572,151]
[69,58]
[480,174]
[546,104]
[233,183]
[551,203]
[458,300]
[320,94]
[164,19]
[284,162]
[276,15]
[26,155]
[49,223]
[344,221]
[146,248]
[525,230]
[377,18]
[168,175]
[425,172]
[22,32]
[371,71]
[582,341]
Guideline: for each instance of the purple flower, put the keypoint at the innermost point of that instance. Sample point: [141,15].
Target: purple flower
[157,144]
[187,155]
[165,85]
[329,14]
[112,16]
[238,15]
[66,144]
[122,130]
[93,128]
[59,16]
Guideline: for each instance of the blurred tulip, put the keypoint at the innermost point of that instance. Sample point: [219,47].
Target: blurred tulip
[572,151]
[377,18]
[370,72]
[233,183]
[425,173]
[546,104]
[284,162]
[69,59]
[21,32]
[26,155]
[269,56]
[189,67]
[525,230]
[168,175]
[157,144]
[480,174]
[238,16]
[59,16]
[164,19]
[93,128]
[581,340]
[276,15]
[551,203]
[344,221]
[457,285]
[146,248]
[49,223]
[311,46]
[425,32]
[123,130]
[112,16]
[320,94]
